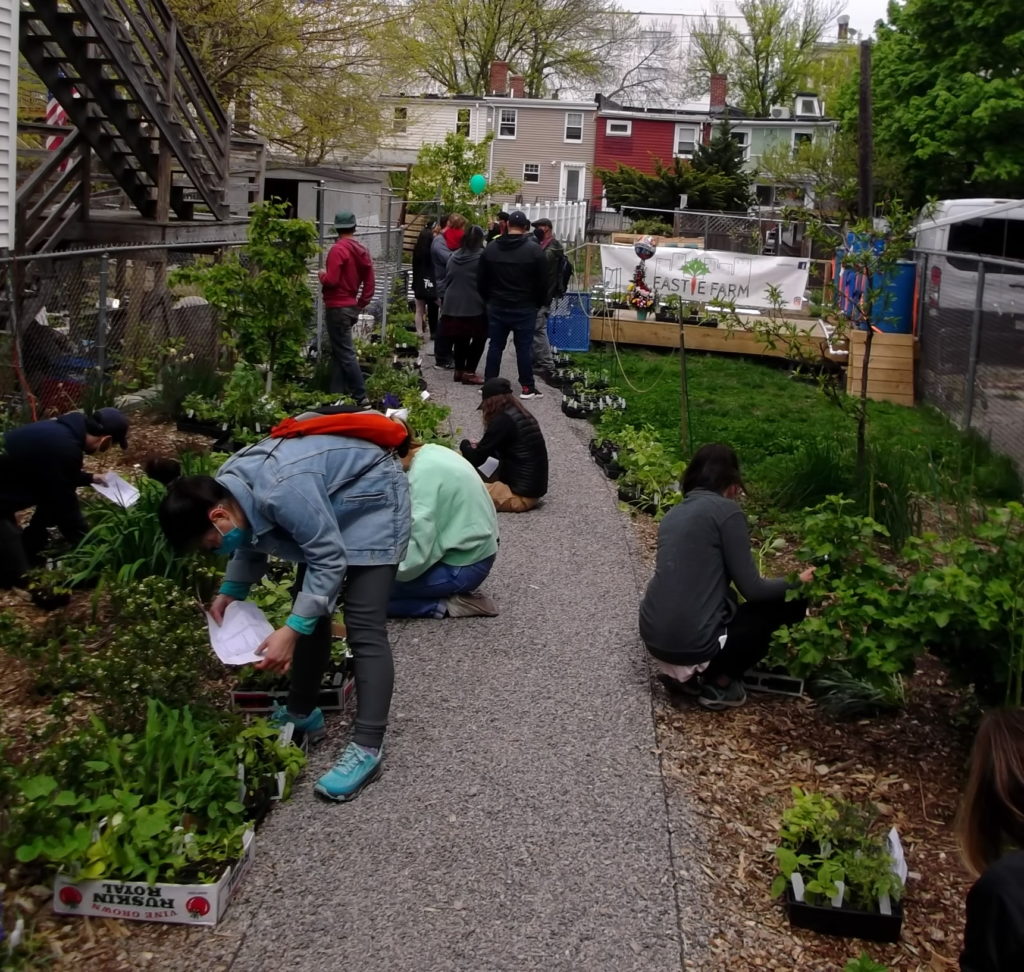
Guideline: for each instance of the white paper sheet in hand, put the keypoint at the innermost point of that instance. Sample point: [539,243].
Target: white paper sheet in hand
[245,628]
[117,490]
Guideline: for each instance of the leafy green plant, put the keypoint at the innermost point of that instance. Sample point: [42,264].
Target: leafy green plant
[830,840]
[864,963]
[162,804]
[861,621]
[263,293]
[153,643]
[649,471]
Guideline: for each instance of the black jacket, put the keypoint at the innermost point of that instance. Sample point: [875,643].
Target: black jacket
[514,273]
[42,467]
[515,440]
[994,933]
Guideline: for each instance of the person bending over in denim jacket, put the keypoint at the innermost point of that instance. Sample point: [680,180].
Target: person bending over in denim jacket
[454,538]
[338,507]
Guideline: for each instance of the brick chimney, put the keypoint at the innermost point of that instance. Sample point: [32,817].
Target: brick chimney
[844,27]
[719,91]
[499,78]
[516,86]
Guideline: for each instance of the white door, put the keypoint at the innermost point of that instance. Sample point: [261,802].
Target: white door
[571,186]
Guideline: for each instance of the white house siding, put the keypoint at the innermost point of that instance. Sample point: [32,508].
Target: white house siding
[540,140]
[8,118]
[428,121]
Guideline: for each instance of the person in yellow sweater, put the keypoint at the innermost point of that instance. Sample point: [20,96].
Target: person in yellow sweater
[454,539]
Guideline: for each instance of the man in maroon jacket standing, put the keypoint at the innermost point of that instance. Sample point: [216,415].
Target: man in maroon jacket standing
[348,285]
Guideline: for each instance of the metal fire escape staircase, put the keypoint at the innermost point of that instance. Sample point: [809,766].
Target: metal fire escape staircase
[138,102]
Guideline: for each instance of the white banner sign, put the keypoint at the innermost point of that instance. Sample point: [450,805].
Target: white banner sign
[709,275]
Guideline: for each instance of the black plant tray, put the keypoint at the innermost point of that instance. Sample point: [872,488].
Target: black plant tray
[580,413]
[214,430]
[629,496]
[845,922]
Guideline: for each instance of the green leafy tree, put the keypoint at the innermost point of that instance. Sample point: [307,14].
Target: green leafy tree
[714,179]
[767,57]
[949,97]
[826,167]
[303,72]
[442,172]
[263,292]
[551,43]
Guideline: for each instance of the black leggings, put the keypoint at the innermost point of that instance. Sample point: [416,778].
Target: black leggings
[750,635]
[364,597]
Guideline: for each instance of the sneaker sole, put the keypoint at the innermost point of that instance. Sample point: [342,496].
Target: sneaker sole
[346,797]
[719,704]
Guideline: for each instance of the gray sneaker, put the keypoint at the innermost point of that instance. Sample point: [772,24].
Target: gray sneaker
[714,696]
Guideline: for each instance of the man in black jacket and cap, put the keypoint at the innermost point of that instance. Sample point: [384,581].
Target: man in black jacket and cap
[41,466]
[513,281]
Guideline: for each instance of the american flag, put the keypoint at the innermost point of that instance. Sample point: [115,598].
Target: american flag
[55,115]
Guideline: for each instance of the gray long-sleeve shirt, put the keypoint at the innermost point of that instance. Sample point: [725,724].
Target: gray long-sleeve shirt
[703,547]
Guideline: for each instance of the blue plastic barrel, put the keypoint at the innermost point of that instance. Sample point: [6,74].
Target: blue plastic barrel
[893,309]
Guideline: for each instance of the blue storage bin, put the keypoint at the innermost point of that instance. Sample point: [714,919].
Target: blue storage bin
[569,322]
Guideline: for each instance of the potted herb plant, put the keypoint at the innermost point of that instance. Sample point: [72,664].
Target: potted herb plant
[838,874]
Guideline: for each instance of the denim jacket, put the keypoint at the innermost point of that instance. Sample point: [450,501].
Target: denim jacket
[323,500]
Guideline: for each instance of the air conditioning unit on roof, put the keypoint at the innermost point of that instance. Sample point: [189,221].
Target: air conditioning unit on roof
[781,111]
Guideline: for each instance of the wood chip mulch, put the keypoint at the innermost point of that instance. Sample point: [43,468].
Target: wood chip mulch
[736,769]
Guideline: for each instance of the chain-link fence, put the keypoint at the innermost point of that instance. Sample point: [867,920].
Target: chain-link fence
[971,329]
[82,324]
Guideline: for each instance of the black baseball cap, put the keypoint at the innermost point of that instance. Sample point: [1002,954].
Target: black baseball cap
[519,218]
[113,423]
[492,387]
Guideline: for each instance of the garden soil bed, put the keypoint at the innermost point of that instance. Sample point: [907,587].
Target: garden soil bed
[736,768]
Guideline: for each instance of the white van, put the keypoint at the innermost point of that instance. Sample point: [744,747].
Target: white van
[982,227]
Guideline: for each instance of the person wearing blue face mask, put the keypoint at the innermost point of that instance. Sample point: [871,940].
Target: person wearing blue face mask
[338,507]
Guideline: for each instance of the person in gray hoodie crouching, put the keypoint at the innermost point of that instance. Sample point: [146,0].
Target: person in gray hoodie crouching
[462,308]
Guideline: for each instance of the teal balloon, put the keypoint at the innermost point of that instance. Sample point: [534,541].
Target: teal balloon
[477,184]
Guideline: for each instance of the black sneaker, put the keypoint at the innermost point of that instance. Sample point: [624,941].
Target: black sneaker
[364,404]
[531,391]
[445,365]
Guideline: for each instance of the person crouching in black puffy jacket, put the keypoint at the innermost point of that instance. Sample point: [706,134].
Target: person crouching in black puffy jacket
[513,437]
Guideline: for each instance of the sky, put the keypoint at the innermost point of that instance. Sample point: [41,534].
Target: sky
[863,13]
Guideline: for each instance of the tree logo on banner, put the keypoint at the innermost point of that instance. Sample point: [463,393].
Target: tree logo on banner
[695,269]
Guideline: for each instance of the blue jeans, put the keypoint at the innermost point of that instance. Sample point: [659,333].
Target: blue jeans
[424,596]
[521,324]
[346,377]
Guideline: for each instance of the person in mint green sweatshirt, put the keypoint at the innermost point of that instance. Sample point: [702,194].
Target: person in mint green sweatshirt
[453,543]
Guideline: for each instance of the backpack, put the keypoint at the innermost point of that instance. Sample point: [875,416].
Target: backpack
[565,272]
[344,420]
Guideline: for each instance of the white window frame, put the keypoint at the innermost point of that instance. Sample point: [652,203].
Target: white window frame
[565,130]
[628,122]
[746,145]
[695,130]
[794,141]
[536,167]
[805,100]
[400,120]
[502,112]
[467,124]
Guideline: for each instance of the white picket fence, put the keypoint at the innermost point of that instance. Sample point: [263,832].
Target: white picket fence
[569,219]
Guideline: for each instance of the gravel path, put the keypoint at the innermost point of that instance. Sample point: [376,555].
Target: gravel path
[521,822]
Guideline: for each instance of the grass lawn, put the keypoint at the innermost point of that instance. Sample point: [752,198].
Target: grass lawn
[784,427]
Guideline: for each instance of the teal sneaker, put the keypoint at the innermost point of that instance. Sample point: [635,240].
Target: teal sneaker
[355,769]
[311,728]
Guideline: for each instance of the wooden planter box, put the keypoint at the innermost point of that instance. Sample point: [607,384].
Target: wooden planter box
[890,368]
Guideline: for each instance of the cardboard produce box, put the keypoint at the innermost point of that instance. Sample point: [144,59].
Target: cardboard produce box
[186,904]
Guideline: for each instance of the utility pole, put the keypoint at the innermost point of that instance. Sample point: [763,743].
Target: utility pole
[865,139]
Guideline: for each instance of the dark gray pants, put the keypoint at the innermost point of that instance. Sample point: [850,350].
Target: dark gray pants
[364,598]
[346,378]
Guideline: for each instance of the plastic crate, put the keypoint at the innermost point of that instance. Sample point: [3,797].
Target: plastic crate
[569,322]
